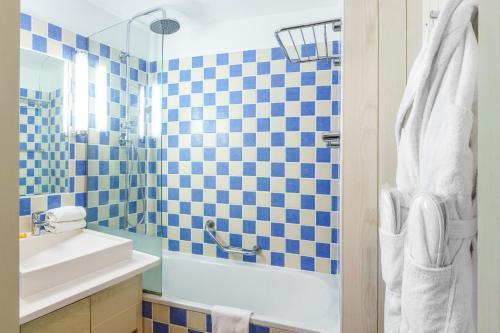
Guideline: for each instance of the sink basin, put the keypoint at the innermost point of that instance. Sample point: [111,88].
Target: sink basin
[50,260]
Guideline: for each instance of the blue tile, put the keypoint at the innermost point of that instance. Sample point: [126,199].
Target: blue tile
[249,227]
[277,259]
[277,169]
[307,139]
[323,155]
[235,183]
[185,75]
[147,309]
[335,203]
[159,327]
[335,235]
[292,185]
[292,246]
[323,123]
[308,78]
[292,154]
[278,139]
[293,94]
[277,80]
[222,85]
[197,62]
[277,53]
[24,206]
[307,201]
[263,213]
[322,250]
[222,196]
[292,124]
[263,154]
[235,211]
[173,64]
[277,199]
[249,56]
[249,139]
[222,59]
[323,219]
[222,112]
[235,125]
[235,97]
[249,110]
[263,95]
[277,109]
[307,233]
[53,201]
[39,43]
[292,216]
[263,184]
[249,82]
[323,93]
[277,230]
[307,263]
[263,125]
[322,186]
[307,108]
[209,73]
[68,52]
[173,245]
[25,22]
[104,51]
[235,70]
[249,198]
[54,32]
[263,68]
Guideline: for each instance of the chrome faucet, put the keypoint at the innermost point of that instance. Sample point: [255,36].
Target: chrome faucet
[38,223]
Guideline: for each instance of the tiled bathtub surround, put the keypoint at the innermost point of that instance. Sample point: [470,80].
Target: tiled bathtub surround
[52,40]
[241,144]
[159,318]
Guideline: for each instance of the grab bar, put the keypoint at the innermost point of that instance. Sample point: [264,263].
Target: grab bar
[210,229]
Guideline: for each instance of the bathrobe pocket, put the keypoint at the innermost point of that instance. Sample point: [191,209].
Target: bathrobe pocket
[427,297]
[391,257]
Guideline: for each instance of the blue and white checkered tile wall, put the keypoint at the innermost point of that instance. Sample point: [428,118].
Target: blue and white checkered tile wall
[241,144]
[107,158]
[57,42]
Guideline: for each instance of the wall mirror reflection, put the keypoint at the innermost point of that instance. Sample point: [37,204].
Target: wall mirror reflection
[44,109]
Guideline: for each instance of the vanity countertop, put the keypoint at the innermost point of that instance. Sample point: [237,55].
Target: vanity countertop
[51,299]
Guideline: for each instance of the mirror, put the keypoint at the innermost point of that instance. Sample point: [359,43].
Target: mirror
[43,124]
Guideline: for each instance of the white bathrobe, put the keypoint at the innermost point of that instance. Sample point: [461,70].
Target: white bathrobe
[429,291]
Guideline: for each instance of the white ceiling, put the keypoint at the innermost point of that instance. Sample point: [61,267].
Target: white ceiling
[87,17]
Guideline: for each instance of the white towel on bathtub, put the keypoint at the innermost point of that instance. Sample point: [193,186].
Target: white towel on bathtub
[230,320]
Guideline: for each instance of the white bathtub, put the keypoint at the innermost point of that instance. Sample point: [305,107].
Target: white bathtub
[279,297]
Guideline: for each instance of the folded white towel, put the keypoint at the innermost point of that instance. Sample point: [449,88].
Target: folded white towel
[227,319]
[55,227]
[66,214]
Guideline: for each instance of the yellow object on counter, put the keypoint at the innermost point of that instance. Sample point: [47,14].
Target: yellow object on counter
[23,235]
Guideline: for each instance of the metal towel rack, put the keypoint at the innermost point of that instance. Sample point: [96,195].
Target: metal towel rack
[309,42]
[210,229]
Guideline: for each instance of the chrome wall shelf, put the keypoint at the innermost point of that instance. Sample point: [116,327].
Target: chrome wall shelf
[310,42]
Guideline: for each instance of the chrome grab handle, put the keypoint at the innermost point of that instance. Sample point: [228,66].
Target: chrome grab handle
[210,229]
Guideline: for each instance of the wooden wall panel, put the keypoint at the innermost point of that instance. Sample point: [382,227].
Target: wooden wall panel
[9,138]
[489,166]
[359,167]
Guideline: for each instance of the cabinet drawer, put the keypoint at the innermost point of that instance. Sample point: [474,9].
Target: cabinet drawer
[123,322]
[75,317]
[115,300]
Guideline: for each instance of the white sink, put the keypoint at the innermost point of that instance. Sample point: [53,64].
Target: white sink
[53,259]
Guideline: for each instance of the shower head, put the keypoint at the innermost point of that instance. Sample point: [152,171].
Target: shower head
[165,26]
